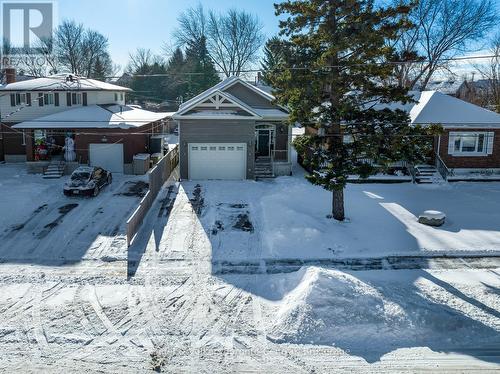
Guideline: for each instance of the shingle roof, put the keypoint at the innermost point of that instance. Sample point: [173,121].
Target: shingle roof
[435,107]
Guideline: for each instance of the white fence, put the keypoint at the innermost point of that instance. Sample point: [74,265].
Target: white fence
[157,177]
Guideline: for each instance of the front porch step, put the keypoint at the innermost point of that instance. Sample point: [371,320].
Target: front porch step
[55,170]
[263,171]
[427,174]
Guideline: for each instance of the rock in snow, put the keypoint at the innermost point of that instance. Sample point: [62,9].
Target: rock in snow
[432,218]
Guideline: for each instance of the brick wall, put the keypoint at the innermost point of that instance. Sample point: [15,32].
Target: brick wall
[471,162]
[132,143]
[12,140]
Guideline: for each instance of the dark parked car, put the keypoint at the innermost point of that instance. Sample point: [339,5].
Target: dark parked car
[87,181]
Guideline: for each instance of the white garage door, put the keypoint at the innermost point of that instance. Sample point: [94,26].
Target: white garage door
[107,156]
[217,161]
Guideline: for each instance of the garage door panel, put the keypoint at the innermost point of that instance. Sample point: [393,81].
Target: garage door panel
[217,161]
[107,156]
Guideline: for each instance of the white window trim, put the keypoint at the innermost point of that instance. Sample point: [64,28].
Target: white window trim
[24,138]
[484,152]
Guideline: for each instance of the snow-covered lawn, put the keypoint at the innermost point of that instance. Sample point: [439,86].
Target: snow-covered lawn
[288,219]
[40,225]
[176,314]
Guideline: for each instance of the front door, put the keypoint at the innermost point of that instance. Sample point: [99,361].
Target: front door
[263,143]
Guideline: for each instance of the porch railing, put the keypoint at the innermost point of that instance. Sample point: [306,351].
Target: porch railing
[442,168]
[279,155]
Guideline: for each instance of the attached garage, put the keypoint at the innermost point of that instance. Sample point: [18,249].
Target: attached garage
[225,161]
[107,156]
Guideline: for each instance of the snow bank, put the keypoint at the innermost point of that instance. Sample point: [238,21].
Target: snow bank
[381,311]
[329,305]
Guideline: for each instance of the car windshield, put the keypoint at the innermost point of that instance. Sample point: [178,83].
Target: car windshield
[80,176]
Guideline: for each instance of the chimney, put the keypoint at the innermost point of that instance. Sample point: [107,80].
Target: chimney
[10,75]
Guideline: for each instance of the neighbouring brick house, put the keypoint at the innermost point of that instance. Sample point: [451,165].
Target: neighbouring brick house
[471,138]
[93,113]
[470,142]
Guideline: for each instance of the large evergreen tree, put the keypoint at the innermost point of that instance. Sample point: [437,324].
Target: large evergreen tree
[273,57]
[334,72]
[176,85]
[201,73]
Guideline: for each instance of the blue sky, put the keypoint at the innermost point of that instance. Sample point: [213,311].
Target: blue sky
[129,24]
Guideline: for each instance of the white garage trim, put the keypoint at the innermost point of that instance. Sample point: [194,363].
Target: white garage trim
[107,156]
[225,161]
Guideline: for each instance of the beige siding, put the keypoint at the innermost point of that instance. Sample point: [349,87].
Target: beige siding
[28,113]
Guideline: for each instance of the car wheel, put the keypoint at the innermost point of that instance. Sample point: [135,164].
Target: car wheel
[110,178]
[96,191]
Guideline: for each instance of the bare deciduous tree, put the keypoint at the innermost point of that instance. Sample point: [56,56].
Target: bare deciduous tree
[40,61]
[233,38]
[94,49]
[442,29]
[192,25]
[68,44]
[490,71]
[141,60]
[78,50]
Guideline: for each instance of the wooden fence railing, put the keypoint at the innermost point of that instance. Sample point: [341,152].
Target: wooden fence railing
[157,177]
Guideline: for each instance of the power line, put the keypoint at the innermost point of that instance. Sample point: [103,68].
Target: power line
[409,62]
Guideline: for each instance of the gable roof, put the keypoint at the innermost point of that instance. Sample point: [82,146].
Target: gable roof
[436,107]
[226,95]
[433,107]
[95,116]
[279,113]
[62,82]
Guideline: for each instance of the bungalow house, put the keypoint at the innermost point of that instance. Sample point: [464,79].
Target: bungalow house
[471,138]
[234,130]
[41,113]
[470,142]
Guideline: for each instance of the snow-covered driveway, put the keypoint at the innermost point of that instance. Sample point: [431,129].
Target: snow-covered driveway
[287,220]
[166,308]
[39,225]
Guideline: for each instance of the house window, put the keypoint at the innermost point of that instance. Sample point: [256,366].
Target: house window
[469,143]
[76,98]
[116,96]
[121,96]
[20,99]
[48,99]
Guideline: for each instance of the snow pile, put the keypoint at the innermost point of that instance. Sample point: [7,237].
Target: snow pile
[330,307]
[372,313]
